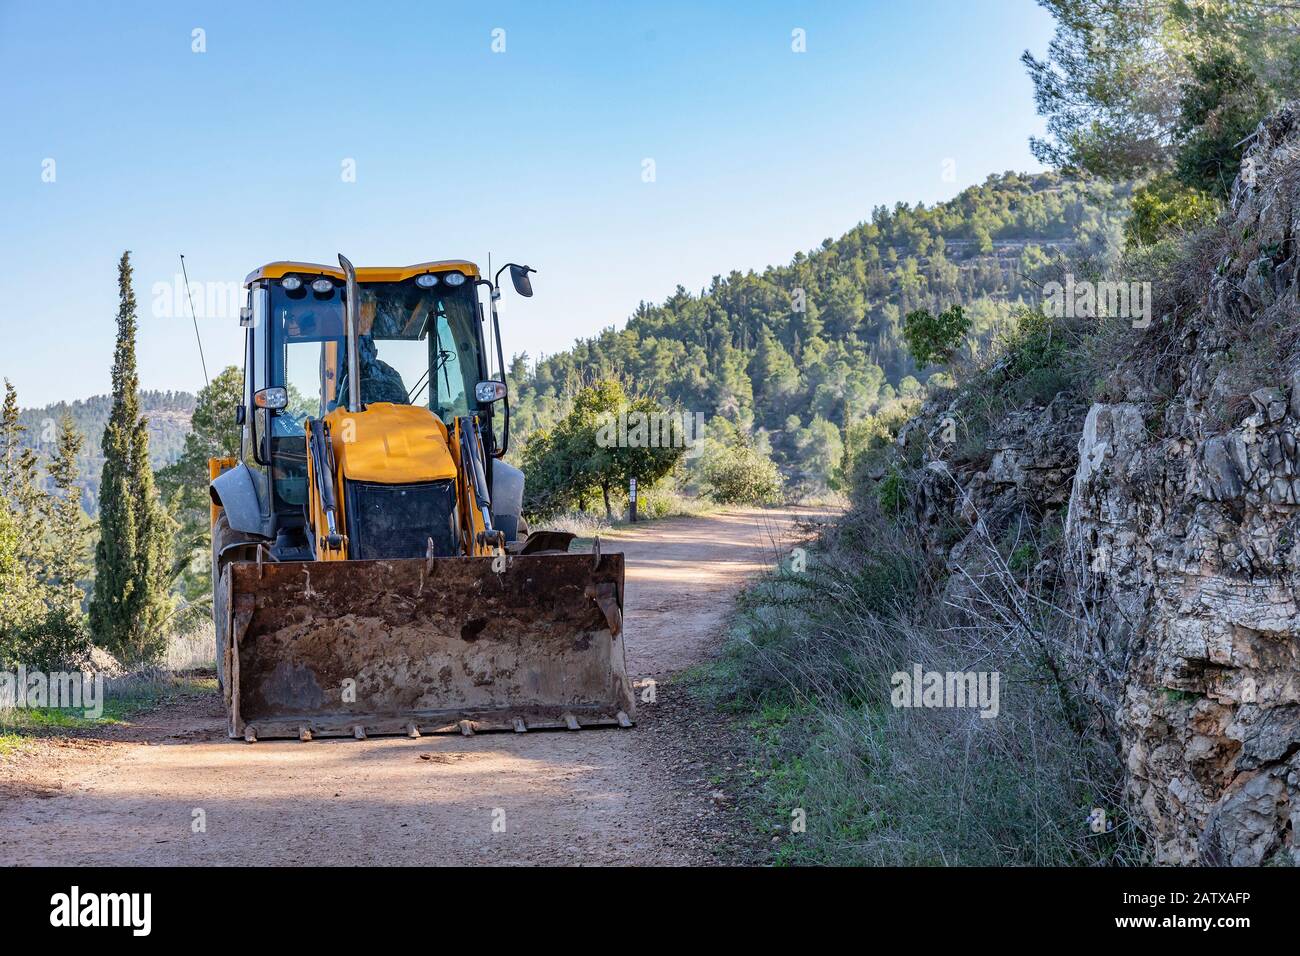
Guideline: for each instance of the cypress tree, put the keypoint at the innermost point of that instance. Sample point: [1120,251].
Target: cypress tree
[130,603]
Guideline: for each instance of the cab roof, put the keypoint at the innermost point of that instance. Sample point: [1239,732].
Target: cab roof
[278,270]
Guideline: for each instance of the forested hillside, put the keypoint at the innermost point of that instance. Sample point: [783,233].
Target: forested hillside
[801,356]
[168,414]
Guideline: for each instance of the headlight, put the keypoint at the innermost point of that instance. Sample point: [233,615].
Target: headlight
[322,286]
[489,392]
[273,397]
[453,278]
[291,283]
[428,280]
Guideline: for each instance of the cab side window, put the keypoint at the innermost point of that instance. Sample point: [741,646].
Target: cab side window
[449,398]
[257,371]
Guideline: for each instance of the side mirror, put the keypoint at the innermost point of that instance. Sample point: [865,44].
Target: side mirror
[241,413]
[489,392]
[519,276]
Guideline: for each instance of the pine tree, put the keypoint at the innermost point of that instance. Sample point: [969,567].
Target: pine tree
[68,525]
[40,624]
[775,377]
[19,484]
[133,559]
[183,484]
[19,601]
[20,608]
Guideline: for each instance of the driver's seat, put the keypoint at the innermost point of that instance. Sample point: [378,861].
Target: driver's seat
[380,382]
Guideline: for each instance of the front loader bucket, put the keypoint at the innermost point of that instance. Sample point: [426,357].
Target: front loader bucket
[359,648]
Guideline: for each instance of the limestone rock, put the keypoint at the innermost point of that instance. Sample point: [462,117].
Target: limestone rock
[1198,523]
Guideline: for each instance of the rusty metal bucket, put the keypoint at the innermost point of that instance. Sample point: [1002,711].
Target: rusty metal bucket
[360,648]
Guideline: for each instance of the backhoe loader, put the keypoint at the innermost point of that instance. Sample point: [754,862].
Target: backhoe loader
[371,570]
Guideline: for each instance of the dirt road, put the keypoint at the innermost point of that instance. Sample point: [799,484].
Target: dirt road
[641,796]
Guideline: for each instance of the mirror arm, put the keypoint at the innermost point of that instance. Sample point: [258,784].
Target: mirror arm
[510,265]
[505,429]
[496,331]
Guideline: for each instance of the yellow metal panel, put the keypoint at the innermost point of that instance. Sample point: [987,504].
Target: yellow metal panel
[215,467]
[392,444]
[278,270]
[471,520]
[315,513]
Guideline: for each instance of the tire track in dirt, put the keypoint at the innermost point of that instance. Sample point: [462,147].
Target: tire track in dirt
[640,796]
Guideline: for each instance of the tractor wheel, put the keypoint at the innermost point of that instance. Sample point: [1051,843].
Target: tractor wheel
[222,537]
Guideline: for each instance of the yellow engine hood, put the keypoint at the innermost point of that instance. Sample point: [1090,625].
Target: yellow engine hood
[391,444]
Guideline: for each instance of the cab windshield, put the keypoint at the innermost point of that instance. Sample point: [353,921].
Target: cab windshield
[416,347]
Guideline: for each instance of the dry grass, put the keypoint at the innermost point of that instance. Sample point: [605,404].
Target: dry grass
[191,650]
[654,504]
[810,663]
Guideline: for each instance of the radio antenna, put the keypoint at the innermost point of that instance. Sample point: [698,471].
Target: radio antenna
[195,319]
[492,291]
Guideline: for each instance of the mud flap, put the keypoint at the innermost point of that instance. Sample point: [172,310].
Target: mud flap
[440,645]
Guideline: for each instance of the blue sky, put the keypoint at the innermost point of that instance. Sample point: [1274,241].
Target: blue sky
[236,156]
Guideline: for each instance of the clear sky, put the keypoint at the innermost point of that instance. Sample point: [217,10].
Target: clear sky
[240,154]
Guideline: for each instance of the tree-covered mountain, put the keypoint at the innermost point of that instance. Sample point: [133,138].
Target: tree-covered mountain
[801,356]
[168,415]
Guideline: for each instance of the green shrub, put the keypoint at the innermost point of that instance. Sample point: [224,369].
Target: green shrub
[1165,207]
[870,441]
[934,338]
[1220,107]
[739,475]
[595,450]
[892,492]
[1032,363]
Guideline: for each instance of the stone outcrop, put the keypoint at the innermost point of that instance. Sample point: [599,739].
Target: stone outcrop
[1181,538]
[1186,503]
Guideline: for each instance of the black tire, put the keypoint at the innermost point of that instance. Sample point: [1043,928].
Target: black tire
[220,617]
[223,536]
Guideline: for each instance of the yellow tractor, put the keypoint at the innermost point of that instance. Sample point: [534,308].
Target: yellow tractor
[371,569]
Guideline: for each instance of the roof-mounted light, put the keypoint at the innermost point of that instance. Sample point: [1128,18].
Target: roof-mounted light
[454,279]
[322,286]
[291,283]
[426,281]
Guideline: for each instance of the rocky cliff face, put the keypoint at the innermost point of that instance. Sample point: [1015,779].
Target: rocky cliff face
[1185,504]
[1179,503]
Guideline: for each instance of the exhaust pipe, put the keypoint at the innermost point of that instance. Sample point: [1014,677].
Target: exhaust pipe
[352,319]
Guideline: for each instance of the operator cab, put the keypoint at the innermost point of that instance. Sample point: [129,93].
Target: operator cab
[420,343]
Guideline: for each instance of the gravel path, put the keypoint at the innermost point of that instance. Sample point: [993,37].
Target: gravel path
[649,795]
